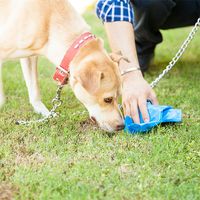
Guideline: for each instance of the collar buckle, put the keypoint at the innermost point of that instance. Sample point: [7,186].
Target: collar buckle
[62,72]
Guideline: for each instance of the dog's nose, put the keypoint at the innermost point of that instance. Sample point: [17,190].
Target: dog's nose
[120,127]
[93,119]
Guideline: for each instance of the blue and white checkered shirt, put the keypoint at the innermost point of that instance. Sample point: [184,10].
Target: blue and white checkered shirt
[115,10]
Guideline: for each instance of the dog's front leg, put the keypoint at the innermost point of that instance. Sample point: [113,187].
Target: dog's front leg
[29,68]
[2,97]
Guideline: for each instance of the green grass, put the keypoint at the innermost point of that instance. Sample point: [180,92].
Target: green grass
[68,158]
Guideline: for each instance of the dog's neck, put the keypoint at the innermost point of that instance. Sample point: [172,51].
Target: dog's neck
[56,49]
[62,33]
[63,70]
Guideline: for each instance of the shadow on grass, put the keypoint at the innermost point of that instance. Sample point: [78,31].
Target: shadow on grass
[87,125]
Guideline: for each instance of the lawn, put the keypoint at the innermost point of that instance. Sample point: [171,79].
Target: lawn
[68,158]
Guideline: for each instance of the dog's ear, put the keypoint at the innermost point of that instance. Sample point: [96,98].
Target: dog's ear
[90,79]
[117,57]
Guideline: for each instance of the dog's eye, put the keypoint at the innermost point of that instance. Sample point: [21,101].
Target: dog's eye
[108,100]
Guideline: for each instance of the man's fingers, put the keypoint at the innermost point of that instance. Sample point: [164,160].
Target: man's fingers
[134,112]
[131,109]
[143,109]
[127,109]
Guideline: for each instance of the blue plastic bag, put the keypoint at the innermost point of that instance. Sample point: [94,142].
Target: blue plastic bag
[158,114]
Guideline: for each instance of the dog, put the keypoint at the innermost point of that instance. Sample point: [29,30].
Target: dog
[29,28]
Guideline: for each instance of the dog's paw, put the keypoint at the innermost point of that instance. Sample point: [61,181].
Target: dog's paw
[40,108]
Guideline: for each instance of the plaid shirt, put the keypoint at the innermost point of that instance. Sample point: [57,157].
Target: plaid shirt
[115,10]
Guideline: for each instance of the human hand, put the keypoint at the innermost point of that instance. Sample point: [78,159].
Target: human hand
[135,93]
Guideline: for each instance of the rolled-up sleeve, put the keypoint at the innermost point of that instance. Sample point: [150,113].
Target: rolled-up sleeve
[115,10]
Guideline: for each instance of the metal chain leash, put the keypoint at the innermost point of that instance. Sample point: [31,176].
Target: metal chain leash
[178,54]
[56,102]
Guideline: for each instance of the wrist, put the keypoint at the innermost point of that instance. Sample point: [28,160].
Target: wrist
[132,75]
[130,70]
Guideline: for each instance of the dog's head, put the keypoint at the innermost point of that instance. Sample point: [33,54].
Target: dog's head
[95,80]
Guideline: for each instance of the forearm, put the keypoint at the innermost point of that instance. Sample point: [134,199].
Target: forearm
[121,38]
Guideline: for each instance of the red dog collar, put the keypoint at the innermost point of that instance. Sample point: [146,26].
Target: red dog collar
[62,72]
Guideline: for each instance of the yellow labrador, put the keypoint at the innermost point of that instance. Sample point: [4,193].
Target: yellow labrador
[48,27]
